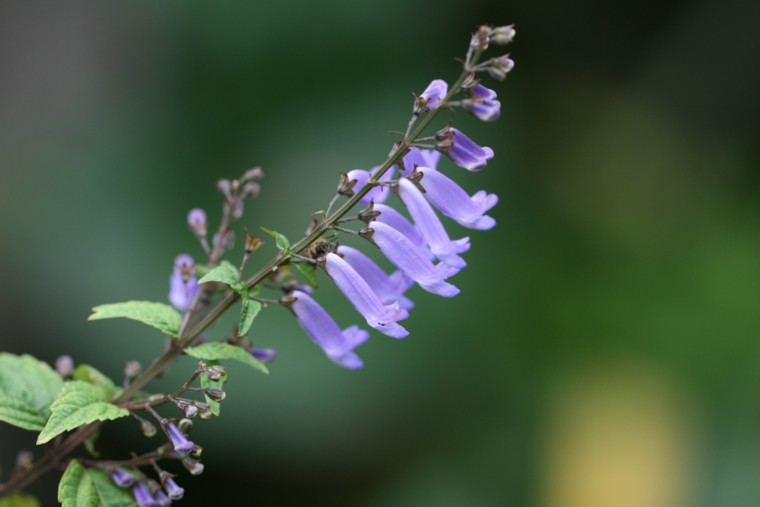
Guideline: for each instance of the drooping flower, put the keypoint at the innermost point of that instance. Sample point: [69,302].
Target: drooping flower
[436,90]
[179,441]
[454,202]
[183,284]
[431,227]
[464,151]
[377,194]
[172,489]
[382,317]
[424,158]
[389,288]
[324,331]
[413,261]
[122,478]
[483,104]
[142,495]
[402,224]
[264,355]
[161,499]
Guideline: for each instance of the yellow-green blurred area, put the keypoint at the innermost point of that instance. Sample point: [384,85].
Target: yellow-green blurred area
[605,348]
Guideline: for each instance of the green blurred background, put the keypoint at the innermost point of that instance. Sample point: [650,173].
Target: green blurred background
[605,349]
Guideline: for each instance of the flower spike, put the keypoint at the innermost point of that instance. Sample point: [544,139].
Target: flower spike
[413,261]
[338,345]
[431,227]
[454,202]
[360,294]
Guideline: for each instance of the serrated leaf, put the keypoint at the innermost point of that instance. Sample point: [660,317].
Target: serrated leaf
[217,384]
[20,501]
[91,487]
[219,350]
[248,311]
[159,315]
[224,273]
[87,373]
[308,271]
[27,388]
[280,240]
[78,403]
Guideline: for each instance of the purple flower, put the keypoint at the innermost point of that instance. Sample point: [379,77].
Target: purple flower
[389,288]
[338,345]
[483,104]
[142,496]
[421,158]
[390,216]
[360,294]
[161,498]
[454,202]
[431,227]
[436,90]
[413,261]
[377,194]
[464,152]
[196,219]
[173,490]
[122,478]
[264,355]
[183,285]
[179,441]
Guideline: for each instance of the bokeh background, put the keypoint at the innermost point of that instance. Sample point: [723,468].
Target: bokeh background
[605,349]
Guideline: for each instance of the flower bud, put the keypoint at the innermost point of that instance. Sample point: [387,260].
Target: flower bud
[187,407]
[500,67]
[196,220]
[251,189]
[214,393]
[480,38]
[185,425]
[196,452]
[265,355]
[132,369]
[122,478]
[148,428]
[502,35]
[193,466]
[216,372]
[24,460]
[64,365]
[252,174]
[205,412]
[224,187]
[171,487]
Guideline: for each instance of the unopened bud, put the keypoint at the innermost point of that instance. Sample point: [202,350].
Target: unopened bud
[480,37]
[196,452]
[265,355]
[64,365]
[226,242]
[224,187]
[24,460]
[503,34]
[254,173]
[196,220]
[193,466]
[132,369]
[251,189]
[214,393]
[187,406]
[205,412]
[185,425]
[500,67]
[148,428]
[345,185]
[216,372]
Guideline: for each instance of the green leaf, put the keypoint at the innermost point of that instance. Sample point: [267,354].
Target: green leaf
[89,443]
[91,487]
[225,273]
[280,240]
[87,373]
[77,404]
[27,388]
[20,501]
[218,350]
[248,311]
[159,315]
[218,384]
[308,271]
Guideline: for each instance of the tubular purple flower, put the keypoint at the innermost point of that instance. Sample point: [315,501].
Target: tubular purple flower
[436,90]
[423,158]
[454,202]
[413,261]
[360,294]
[142,495]
[389,288]
[390,216]
[179,441]
[173,490]
[338,345]
[264,355]
[377,194]
[161,499]
[464,152]
[431,227]
[196,219]
[122,478]
[483,104]
[183,284]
